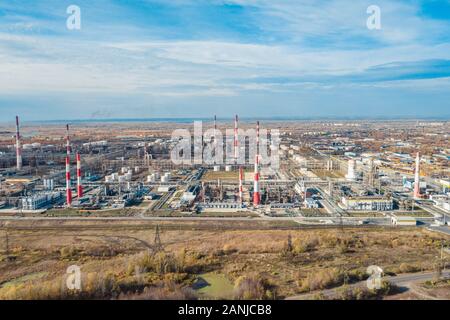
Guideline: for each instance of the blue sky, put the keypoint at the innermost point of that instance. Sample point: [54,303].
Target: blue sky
[258,58]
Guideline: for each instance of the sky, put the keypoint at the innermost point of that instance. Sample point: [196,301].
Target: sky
[257,58]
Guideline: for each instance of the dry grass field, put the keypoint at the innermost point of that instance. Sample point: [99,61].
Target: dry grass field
[117,261]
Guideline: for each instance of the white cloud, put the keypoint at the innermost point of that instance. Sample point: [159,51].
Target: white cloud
[38,63]
[181,67]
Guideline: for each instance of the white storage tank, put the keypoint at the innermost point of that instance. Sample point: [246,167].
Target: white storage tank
[164,179]
[228,168]
[109,179]
[216,168]
[351,171]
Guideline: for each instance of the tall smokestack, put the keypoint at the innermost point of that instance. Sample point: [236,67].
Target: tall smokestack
[79,186]
[215,129]
[241,177]
[417,177]
[256,192]
[236,139]
[18,146]
[203,192]
[68,148]
[68,187]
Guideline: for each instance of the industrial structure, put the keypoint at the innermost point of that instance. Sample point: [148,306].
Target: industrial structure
[241,190]
[79,186]
[367,203]
[18,146]
[256,190]
[236,138]
[417,177]
[68,183]
[327,172]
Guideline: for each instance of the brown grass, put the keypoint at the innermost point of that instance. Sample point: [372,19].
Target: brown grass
[119,266]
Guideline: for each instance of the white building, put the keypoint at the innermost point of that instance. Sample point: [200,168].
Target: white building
[351,171]
[164,189]
[39,201]
[403,221]
[441,201]
[311,203]
[367,203]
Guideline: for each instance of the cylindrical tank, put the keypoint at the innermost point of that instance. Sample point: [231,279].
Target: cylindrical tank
[216,168]
[351,171]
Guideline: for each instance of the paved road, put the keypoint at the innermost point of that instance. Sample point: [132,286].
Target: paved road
[186,218]
[440,229]
[348,221]
[139,218]
[313,221]
[435,211]
[403,280]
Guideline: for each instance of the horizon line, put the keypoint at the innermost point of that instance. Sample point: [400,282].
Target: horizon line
[243,119]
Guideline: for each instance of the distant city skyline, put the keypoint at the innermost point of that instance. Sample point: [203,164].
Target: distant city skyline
[194,59]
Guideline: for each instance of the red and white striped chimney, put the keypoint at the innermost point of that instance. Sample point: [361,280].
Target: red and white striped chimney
[241,191]
[18,146]
[236,139]
[256,192]
[68,186]
[79,186]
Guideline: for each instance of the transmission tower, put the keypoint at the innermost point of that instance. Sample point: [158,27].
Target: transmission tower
[157,245]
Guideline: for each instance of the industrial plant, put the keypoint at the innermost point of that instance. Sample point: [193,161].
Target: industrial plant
[350,173]
[242,151]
